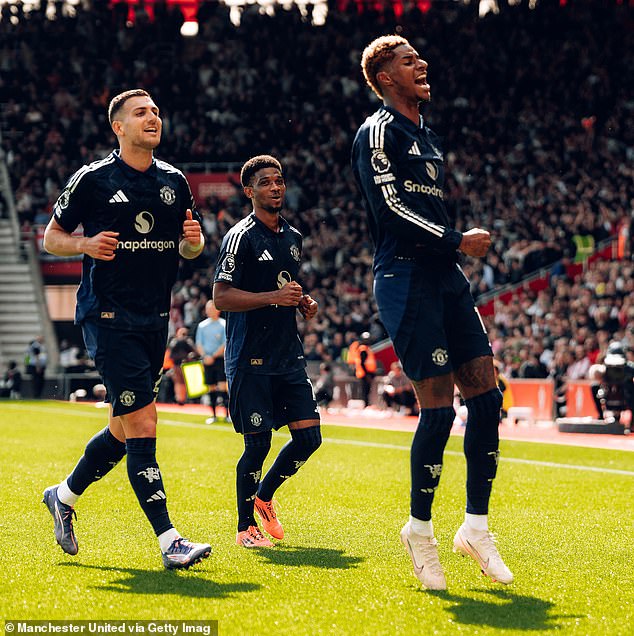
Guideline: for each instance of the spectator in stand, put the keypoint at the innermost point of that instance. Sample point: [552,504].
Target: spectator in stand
[336,346]
[312,350]
[578,369]
[532,368]
[539,167]
[544,170]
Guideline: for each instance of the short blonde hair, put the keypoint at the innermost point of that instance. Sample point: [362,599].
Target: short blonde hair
[376,55]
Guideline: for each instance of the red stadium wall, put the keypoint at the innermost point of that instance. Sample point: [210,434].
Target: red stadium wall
[213,184]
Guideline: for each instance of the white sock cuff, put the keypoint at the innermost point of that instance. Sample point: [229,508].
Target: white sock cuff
[477,522]
[167,538]
[424,528]
[66,495]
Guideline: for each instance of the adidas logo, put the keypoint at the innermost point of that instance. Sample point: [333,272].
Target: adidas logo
[157,496]
[414,150]
[118,197]
[265,256]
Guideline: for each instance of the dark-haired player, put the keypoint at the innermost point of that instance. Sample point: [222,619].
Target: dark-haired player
[136,213]
[425,304]
[256,284]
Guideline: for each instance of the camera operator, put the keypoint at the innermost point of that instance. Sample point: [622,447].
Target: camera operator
[614,382]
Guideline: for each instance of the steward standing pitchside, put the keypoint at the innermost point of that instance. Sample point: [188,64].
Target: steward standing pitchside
[137,215]
[424,302]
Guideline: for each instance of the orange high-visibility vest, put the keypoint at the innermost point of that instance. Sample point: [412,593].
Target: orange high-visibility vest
[354,358]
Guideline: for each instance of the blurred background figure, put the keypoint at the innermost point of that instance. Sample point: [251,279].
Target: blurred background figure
[210,343]
[73,359]
[11,386]
[362,359]
[181,348]
[35,364]
[398,392]
[505,389]
[325,385]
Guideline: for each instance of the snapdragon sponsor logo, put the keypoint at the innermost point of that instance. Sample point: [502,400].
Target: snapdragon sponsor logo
[146,244]
[421,188]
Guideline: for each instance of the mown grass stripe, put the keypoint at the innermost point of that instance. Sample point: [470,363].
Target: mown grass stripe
[331,440]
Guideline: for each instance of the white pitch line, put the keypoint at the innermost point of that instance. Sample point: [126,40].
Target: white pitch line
[515,460]
[331,440]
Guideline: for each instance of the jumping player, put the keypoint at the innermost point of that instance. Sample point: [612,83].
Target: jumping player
[256,284]
[424,302]
[136,213]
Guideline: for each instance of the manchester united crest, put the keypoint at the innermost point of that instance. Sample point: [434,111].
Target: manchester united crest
[440,357]
[167,194]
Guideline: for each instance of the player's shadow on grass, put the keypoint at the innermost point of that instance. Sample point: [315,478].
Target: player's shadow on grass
[326,558]
[131,581]
[507,611]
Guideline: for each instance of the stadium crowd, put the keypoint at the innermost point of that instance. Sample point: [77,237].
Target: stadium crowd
[536,137]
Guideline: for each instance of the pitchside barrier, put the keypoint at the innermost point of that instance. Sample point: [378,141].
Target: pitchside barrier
[538,395]
[579,401]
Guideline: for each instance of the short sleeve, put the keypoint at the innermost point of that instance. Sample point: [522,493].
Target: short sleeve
[230,264]
[70,207]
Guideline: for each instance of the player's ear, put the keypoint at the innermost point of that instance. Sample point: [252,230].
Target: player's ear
[116,127]
[248,191]
[383,77]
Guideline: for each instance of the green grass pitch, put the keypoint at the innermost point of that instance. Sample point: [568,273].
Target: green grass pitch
[563,515]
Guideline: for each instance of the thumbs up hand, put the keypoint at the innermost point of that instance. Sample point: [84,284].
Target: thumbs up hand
[191,230]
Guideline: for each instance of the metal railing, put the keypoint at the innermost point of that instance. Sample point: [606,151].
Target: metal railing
[28,249]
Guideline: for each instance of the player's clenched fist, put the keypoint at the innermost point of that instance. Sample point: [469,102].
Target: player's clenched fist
[191,229]
[101,246]
[475,242]
[307,307]
[289,295]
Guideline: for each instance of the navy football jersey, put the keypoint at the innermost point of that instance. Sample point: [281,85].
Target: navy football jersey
[148,210]
[399,169]
[256,259]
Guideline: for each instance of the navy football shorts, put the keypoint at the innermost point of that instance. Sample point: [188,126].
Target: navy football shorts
[265,402]
[130,364]
[431,318]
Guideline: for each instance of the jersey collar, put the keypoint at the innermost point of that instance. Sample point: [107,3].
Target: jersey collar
[130,171]
[405,121]
[283,225]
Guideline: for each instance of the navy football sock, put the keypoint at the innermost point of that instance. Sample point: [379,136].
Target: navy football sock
[428,447]
[248,474]
[303,443]
[147,483]
[481,448]
[213,396]
[103,452]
